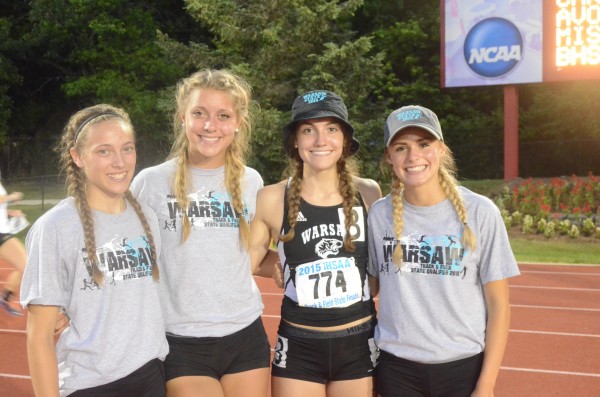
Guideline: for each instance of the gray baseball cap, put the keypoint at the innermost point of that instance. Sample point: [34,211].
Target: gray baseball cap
[411,116]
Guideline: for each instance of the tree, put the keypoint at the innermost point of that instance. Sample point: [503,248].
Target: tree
[283,51]
[76,53]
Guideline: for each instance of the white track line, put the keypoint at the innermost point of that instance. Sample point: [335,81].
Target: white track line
[524,331]
[556,308]
[14,376]
[13,331]
[569,273]
[557,288]
[544,371]
[551,264]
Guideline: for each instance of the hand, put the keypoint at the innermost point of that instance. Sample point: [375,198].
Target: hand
[62,322]
[278,274]
[14,213]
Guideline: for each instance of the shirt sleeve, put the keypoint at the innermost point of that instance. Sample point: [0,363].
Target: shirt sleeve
[497,259]
[45,279]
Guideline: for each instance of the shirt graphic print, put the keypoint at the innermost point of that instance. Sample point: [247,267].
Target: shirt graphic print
[120,259]
[435,255]
[206,209]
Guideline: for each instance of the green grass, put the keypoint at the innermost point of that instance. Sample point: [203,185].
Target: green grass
[576,251]
[486,187]
[36,189]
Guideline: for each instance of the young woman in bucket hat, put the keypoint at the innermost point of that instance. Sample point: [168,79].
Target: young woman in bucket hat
[442,258]
[317,217]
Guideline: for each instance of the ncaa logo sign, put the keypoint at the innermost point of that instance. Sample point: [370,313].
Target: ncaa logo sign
[493,47]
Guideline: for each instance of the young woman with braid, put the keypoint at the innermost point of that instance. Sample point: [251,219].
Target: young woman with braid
[318,220]
[205,198]
[94,255]
[442,257]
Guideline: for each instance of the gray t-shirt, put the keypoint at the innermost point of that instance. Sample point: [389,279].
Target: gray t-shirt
[433,310]
[115,329]
[207,288]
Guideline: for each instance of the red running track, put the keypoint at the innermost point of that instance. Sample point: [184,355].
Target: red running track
[553,348]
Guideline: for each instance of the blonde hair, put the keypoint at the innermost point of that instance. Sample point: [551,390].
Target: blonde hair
[75,136]
[235,155]
[449,184]
[346,167]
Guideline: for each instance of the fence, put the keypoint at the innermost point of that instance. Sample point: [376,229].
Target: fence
[43,189]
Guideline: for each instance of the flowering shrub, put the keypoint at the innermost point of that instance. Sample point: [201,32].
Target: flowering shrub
[588,227]
[566,206]
[550,230]
[528,224]
[573,232]
[574,195]
[564,226]
[517,218]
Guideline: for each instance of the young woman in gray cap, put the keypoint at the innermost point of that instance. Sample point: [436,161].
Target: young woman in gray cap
[318,219]
[442,257]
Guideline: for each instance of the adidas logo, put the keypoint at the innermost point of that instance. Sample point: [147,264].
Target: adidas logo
[301,217]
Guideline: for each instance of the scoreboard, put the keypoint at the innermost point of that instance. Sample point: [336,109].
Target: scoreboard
[502,42]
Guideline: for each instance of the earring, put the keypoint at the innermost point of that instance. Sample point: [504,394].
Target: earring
[237,130]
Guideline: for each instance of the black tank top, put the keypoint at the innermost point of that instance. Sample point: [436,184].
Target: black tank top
[325,285]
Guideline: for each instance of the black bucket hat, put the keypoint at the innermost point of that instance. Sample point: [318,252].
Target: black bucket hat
[315,105]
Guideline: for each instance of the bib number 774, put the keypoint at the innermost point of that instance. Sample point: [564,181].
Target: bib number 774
[328,283]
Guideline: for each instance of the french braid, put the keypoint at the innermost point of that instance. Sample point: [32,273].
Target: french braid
[398,209]
[77,190]
[295,168]
[138,210]
[449,186]
[346,169]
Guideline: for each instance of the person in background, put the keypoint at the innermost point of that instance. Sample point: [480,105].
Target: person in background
[12,250]
[318,219]
[205,198]
[442,258]
[94,255]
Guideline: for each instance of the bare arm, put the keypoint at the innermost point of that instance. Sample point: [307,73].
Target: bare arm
[40,350]
[496,294]
[373,286]
[369,190]
[269,209]
[266,267]
[9,198]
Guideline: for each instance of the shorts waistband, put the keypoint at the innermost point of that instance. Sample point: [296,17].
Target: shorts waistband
[311,333]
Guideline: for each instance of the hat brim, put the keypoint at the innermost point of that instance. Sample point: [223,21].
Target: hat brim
[415,125]
[290,128]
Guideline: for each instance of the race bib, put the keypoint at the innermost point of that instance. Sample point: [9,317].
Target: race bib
[327,283]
